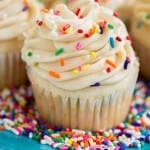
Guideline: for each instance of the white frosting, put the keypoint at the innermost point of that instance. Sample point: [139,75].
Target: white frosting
[90,68]
[140,23]
[14,22]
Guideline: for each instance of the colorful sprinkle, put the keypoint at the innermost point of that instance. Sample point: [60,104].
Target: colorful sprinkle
[126,63]
[109,62]
[110,26]
[29,54]
[92,55]
[96,84]
[22,119]
[59,51]
[78,46]
[62,62]
[54,74]
[112,42]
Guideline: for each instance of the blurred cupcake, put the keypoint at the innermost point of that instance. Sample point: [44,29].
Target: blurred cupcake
[16,17]
[83,69]
[140,32]
[122,7]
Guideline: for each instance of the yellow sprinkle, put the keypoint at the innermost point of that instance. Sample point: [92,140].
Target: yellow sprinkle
[92,55]
[22,103]
[75,71]
[69,30]
[85,67]
[70,142]
[148,99]
[96,29]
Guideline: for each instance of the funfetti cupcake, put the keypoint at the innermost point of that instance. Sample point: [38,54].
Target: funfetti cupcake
[16,18]
[122,8]
[83,69]
[140,32]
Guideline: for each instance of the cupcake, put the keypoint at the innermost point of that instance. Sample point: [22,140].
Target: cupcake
[122,7]
[82,69]
[140,32]
[16,17]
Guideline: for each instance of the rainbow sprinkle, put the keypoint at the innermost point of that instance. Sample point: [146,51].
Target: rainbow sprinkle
[18,115]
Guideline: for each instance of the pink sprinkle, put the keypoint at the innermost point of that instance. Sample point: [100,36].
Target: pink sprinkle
[78,46]
[57,13]
[67,26]
[80,68]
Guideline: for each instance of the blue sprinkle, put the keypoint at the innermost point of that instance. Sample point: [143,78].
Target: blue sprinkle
[96,84]
[25,8]
[112,42]
[101,29]
[126,64]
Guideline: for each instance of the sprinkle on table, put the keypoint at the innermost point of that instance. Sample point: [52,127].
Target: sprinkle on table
[22,119]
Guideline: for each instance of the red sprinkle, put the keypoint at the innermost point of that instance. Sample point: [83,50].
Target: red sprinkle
[80,31]
[115,14]
[118,39]
[77,11]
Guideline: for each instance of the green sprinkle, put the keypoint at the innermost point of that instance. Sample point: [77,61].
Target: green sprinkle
[110,26]
[148,16]
[29,54]
[59,51]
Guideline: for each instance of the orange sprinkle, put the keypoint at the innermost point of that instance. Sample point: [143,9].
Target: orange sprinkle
[62,62]
[26,2]
[91,31]
[44,10]
[86,143]
[2,128]
[54,74]
[109,62]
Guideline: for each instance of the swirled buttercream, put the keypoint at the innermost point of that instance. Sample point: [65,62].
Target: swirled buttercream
[75,52]
[16,16]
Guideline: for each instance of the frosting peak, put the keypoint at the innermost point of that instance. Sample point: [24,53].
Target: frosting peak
[16,17]
[74,52]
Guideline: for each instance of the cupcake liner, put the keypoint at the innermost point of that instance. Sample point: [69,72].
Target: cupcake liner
[105,109]
[12,69]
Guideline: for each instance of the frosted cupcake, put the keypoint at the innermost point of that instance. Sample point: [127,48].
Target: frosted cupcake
[82,69]
[121,7]
[16,17]
[140,32]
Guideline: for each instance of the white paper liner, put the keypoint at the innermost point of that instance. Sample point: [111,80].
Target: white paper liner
[12,69]
[70,109]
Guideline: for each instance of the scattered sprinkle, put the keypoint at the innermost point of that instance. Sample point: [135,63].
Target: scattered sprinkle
[75,71]
[80,31]
[59,51]
[118,39]
[29,54]
[25,8]
[44,10]
[18,115]
[54,74]
[62,62]
[96,84]
[126,63]
[110,26]
[112,42]
[92,55]
[78,46]
[109,62]
[86,67]
[78,11]
[39,23]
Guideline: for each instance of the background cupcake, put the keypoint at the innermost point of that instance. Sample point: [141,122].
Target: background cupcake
[82,69]
[16,18]
[140,32]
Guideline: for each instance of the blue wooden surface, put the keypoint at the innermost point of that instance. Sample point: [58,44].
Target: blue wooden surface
[9,141]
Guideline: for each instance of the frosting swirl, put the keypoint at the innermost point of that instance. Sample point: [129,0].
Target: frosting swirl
[140,22]
[75,52]
[16,17]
